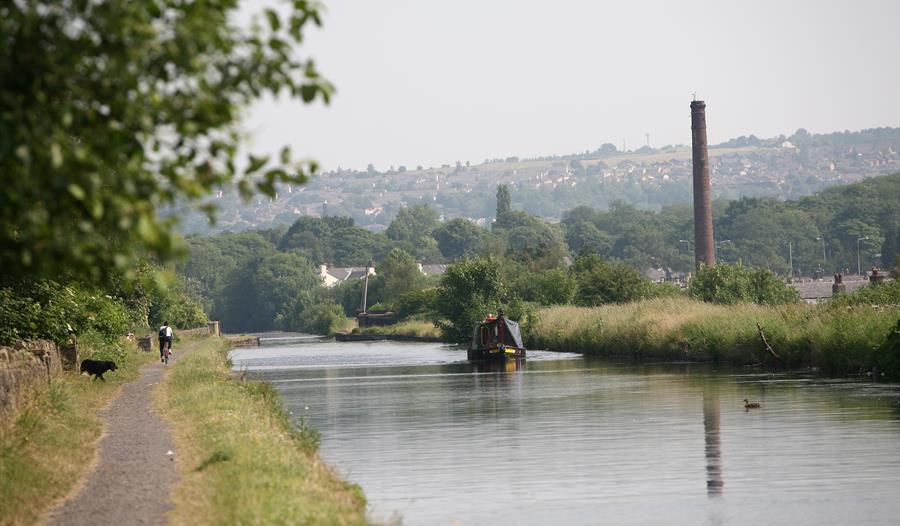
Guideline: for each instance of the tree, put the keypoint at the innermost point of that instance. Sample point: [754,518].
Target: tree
[110,111]
[469,290]
[583,236]
[550,287]
[504,201]
[396,275]
[539,246]
[412,229]
[267,293]
[459,238]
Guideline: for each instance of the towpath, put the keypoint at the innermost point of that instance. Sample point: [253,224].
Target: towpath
[135,471]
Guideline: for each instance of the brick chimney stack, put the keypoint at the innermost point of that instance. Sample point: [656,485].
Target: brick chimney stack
[704,248]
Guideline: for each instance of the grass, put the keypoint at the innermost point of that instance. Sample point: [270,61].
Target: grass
[240,458]
[840,340]
[52,444]
[415,328]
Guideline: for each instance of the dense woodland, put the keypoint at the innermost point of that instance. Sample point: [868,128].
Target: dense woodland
[268,280]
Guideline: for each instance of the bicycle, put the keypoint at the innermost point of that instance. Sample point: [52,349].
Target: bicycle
[165,350]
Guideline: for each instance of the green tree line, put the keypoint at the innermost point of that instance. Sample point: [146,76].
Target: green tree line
[268,279]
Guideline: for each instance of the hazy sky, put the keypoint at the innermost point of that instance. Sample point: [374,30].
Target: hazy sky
[433,81]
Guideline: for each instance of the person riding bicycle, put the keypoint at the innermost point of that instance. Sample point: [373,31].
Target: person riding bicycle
[165,341]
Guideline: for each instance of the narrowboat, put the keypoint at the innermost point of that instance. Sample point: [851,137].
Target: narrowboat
[496,338]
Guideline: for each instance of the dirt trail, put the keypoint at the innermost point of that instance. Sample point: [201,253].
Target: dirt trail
[134,474]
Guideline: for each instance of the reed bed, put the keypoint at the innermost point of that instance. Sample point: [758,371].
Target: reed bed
[838,339]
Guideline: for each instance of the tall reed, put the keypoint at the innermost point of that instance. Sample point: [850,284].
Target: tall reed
[840,340]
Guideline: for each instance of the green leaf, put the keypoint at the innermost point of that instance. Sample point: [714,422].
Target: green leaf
[77,192]
[255,164]
[274,21]
[308,92]
[56,155]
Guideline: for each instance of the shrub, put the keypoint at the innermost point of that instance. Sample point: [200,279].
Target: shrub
[415,302]
[46,309]
[887,355]
[321,318]
[883,294]
[729,284]
[600,282]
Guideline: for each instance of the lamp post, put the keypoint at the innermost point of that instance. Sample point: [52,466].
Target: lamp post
[688,243]
[718,244]
[858,267]
[822,239]
[791,258]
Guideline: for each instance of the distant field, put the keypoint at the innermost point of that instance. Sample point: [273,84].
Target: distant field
[683,153]
[679,154]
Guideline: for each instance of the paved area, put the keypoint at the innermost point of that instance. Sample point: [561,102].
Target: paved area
[134,473]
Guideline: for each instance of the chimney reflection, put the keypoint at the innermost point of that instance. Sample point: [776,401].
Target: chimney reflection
[712,438]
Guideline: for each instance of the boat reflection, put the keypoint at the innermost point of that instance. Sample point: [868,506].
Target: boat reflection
[504,366]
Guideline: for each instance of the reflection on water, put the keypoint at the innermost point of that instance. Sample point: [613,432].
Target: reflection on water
[565,440]
[713,441]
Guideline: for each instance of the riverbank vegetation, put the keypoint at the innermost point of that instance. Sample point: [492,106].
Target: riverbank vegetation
[51,445]
[836,339]
[269,280]
[242,459]
[57,310]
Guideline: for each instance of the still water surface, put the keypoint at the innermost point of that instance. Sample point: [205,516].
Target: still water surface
[569,440]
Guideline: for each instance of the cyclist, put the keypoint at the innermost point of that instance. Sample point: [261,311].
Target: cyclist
[165,342]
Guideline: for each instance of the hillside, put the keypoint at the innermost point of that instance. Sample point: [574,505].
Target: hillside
[782,167]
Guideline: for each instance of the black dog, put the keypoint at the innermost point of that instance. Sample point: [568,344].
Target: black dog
[97,367]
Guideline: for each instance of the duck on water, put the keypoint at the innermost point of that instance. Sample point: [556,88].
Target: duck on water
[496,338]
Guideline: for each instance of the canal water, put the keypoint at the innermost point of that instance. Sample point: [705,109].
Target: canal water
[564,440]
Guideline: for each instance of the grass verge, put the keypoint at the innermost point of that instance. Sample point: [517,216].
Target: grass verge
[52,444]
[841,340]
[240,458]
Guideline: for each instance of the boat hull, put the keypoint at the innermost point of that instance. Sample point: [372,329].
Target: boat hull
[496,354]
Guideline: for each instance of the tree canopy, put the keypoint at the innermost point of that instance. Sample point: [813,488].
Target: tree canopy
[111,110]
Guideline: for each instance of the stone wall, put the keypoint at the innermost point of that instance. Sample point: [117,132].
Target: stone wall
[211,329]
[25,369]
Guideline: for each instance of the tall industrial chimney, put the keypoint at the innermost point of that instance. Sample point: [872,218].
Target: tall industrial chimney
[704,248]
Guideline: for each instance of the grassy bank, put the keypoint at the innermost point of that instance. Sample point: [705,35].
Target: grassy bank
[841,340]
[47,450]
[240,458]
[412,328]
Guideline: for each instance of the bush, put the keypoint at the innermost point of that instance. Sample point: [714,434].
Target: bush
[883,294]
[600,282]
[48,310]
[177,306]
[415,302]
[729,284]
[887,355]
[550,287]
[664,290]
[321,318]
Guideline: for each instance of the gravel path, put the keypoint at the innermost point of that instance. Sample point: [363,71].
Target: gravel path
[134,473]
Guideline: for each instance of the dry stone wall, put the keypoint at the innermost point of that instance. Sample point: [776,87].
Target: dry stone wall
[25,370]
